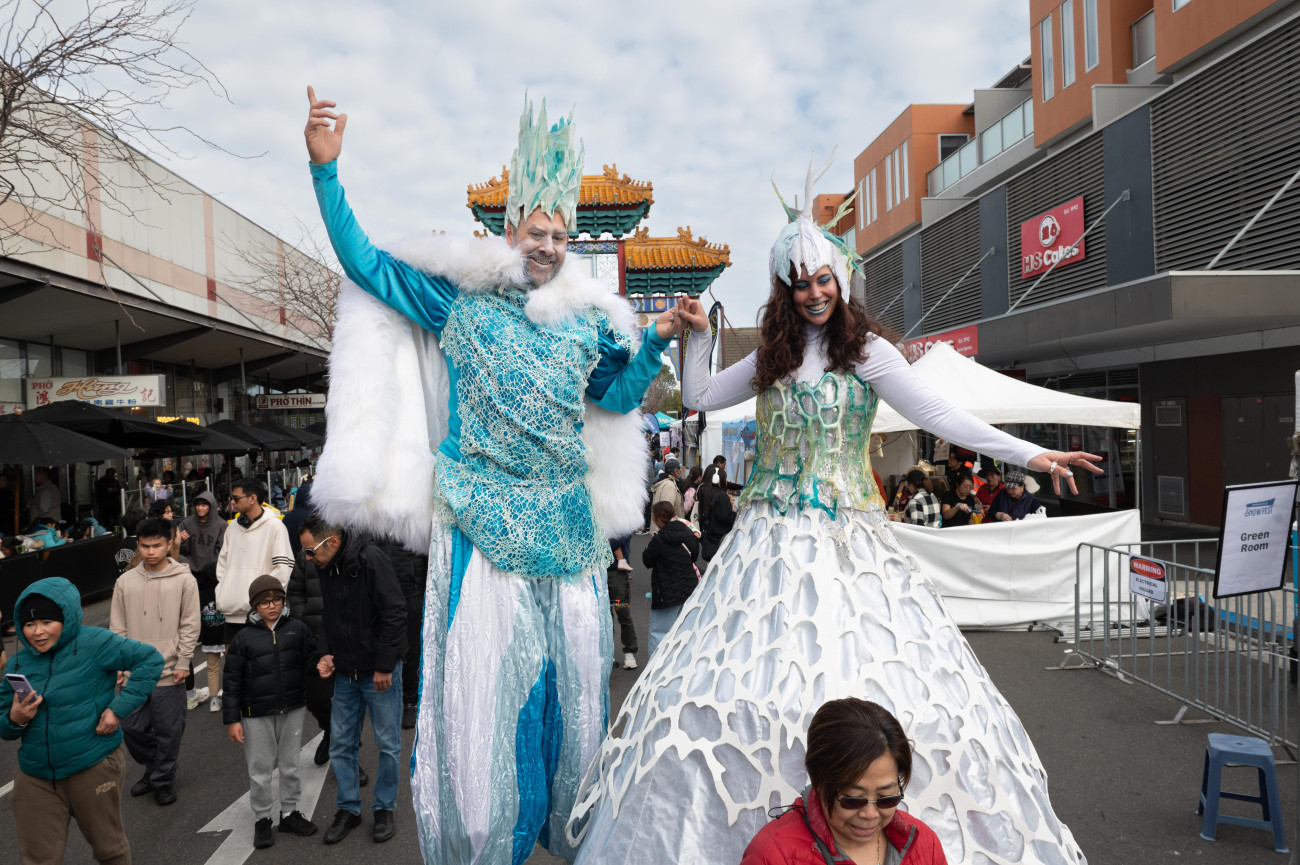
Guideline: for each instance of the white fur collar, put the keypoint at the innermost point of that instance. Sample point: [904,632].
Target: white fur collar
[485,264]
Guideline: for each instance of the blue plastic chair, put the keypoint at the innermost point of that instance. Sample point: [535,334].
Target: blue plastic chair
[1228,750]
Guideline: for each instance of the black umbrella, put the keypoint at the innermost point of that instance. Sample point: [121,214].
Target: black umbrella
[307,439]
[317,428]
[111,426]
[255,437]
[35,443]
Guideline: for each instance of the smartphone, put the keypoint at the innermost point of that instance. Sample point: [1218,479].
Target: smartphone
[22,688]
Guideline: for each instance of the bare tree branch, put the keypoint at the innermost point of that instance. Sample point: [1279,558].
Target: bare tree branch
[301,278]
[79,85]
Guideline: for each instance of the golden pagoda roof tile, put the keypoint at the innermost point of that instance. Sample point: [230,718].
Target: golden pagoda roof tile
[683,252]
[607,188]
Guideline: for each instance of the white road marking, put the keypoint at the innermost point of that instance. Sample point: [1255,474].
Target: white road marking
[238,818]
[4,791]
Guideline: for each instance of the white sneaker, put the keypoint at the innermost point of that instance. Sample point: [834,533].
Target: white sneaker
[624,565]
[629,661]
[214,705]
[193,698]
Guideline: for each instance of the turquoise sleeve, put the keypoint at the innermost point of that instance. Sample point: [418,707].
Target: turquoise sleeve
[618,384]
[421,297]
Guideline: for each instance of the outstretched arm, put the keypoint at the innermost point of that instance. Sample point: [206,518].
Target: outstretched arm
[903,389]
[619,382]
[421,297]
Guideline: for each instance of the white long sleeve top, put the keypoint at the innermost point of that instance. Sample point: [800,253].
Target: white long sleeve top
[884,369]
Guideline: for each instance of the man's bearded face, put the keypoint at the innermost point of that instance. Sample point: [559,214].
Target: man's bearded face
[542,241]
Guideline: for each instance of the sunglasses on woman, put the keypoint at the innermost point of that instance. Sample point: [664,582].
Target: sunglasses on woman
[857,803]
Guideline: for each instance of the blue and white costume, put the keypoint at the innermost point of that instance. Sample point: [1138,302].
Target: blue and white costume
[516,405]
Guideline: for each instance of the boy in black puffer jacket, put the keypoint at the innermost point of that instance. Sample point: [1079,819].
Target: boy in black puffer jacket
[265,702]
[670,556]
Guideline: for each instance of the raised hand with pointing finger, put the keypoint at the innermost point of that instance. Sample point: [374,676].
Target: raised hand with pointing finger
[324,142]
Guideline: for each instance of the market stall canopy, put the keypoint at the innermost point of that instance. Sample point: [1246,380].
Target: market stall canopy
[255,437]
[305,438]
[35,443]
[112,426]
[665,420]
[997,399]
[318,428]
[212,442]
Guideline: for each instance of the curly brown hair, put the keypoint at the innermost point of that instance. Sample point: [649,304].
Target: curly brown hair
[781,335]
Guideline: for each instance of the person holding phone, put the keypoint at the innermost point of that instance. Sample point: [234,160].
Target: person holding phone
[71,761]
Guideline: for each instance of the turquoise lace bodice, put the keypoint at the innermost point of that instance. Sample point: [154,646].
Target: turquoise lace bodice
[518,488]
[814,446]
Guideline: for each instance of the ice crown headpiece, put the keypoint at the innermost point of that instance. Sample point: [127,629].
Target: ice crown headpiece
[544,171]
[804,242]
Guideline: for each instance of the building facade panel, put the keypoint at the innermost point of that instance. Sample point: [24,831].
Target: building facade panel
[882,283]
[1182,34]
[948,250]
[1071,173]
[1223,143]
[1130,233]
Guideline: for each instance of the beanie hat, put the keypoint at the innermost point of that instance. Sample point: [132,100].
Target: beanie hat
[39,607]
[263,587]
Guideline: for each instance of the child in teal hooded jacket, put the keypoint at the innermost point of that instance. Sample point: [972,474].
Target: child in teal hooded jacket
[71,722]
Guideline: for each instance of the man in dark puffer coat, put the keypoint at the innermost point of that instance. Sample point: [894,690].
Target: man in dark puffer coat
[264,704]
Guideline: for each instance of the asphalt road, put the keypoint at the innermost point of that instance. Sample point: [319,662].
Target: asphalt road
[1126,786]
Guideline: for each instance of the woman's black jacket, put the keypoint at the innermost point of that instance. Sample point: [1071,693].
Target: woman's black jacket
[670,556]
[715,528]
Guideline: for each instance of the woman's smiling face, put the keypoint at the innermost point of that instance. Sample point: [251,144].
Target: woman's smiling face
[815,295]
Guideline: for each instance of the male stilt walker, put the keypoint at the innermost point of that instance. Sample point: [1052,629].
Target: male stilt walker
[481,369]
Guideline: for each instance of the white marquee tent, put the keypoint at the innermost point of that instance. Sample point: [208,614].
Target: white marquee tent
[997,399]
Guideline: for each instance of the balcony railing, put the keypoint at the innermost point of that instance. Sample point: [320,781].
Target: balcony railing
[1015,125]
[1144,39]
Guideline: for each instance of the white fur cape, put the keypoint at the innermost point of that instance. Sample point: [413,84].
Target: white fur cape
[388,398]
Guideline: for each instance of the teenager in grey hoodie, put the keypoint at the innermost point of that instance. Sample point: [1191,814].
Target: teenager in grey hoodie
[201,535]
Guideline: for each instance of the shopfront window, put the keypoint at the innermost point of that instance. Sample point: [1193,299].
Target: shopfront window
[11,375]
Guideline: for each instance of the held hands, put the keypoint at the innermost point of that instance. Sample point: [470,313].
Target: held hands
[1058,464]
[688,312]
[235,732]
[108,723]
[323,143]
[325,666]
[22,711]
[179,675]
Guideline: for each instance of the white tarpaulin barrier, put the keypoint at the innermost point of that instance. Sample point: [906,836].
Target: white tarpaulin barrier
[1009,575]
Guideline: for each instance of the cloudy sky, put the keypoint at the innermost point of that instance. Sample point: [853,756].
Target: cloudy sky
[704,99]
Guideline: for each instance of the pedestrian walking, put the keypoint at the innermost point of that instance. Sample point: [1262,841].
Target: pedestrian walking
[201,535]
[265,705]
[71,761]
[670,556]
[362,645]
[157,602]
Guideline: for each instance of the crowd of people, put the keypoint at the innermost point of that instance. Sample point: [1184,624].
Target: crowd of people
[324,629]
[536,486]
[1001,495]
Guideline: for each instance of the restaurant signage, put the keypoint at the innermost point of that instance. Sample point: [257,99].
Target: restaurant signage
[1046,238]
[125,391]
[964,340]
[267,401]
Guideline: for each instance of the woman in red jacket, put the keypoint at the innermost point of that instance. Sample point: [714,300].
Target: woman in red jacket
[859,762]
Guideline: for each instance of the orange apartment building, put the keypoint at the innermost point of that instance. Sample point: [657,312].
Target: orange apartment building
[1156,127]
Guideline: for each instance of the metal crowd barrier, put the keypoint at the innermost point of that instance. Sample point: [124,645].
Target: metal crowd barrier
[1228,658]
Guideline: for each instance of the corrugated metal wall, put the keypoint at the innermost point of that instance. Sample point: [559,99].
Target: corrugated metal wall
[1077,171]
[882,283]
[1224,142]
[948,249]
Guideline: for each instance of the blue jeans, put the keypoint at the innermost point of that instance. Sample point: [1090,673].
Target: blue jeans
[351,699]
[660,621]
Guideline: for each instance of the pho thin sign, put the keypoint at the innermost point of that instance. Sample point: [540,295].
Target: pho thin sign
[1147,578]
[298,401]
